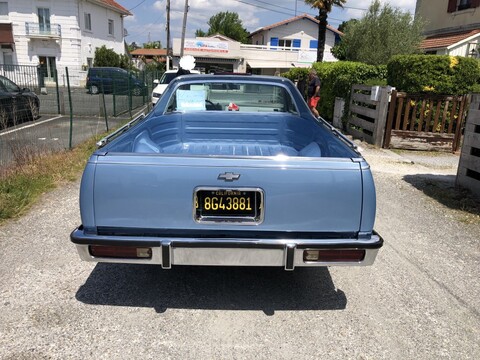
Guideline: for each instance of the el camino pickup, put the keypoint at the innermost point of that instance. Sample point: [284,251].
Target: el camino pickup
[229,170]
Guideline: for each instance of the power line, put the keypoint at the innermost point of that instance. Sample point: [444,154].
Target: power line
[140,3]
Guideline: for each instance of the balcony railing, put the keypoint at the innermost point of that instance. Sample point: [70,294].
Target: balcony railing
[37,30]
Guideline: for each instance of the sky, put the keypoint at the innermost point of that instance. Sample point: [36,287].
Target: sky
[149,16]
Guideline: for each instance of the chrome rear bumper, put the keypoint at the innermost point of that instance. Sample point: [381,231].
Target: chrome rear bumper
[227,252]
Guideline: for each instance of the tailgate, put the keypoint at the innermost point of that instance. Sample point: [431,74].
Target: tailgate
[157,192]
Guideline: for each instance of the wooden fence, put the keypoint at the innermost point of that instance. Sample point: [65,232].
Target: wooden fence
[424,122]
[469,167]
[368,113]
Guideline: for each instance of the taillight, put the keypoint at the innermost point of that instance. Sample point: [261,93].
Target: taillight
[123,252]
[333,255]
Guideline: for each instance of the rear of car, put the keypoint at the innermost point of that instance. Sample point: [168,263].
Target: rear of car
[201,182]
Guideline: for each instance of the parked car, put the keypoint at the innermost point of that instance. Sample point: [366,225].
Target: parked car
[16,105]
[162,84]
[228,177]
[113,80]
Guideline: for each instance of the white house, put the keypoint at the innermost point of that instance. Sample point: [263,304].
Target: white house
[278,47]
[298,32]
[452,27]
[58,34]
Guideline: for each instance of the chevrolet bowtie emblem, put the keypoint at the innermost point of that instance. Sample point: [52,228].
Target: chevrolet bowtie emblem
[228,176]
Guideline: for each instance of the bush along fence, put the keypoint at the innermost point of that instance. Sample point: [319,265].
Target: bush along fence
[67,115]
[469,167]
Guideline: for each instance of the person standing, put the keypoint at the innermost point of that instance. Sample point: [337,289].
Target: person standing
[313,92]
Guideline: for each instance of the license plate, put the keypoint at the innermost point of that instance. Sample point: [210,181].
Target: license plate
[228,205]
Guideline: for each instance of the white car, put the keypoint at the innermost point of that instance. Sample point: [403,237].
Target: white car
[162,84]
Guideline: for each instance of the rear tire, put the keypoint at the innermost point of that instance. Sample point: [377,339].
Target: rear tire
[137,91]
[93,89]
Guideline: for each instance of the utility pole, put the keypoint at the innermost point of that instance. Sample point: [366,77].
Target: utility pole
[184,27]
[168,34]
[295,7]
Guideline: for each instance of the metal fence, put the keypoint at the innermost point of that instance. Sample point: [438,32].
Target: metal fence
[68,112]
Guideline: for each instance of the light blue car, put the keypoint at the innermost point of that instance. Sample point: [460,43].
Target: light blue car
[228,170]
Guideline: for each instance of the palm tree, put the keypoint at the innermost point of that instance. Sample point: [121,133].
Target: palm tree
[324,7]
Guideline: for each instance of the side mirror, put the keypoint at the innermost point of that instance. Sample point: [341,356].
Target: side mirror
[26,90]
[156,81]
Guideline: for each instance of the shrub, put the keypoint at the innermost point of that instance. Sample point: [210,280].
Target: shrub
[438,74]
[337,79]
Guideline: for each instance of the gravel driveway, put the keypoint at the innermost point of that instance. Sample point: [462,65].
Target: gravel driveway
[420,300]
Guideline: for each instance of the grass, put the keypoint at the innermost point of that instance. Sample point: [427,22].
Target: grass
[22,185]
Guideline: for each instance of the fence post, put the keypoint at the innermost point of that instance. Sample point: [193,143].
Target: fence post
[58,92]
[114,94]
[129,94]
[71,111]
[460,122]
[381,120]
[391,114]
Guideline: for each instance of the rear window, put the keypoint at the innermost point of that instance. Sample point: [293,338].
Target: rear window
[228,96]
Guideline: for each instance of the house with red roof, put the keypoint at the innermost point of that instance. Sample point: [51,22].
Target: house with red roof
[59,34]
[452,27]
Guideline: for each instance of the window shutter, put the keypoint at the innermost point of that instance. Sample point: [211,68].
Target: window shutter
[296,43]
[452,6]
[313,44]
[274,41]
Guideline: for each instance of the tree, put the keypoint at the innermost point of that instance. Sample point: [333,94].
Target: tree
[152,45]
[324,7]
[228,24]
[200,33]
[382,33]
[106,57]
[344,24]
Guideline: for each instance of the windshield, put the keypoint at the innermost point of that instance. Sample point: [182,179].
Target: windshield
[167,77]
[228,96]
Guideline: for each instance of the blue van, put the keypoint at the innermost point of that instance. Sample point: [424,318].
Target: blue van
[114,80]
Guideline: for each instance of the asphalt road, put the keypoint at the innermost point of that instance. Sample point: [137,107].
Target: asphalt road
[420,300]
[52,133]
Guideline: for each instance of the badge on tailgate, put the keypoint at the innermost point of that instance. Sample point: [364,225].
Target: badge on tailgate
[236,205]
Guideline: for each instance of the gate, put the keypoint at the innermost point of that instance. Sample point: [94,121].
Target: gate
[425,122]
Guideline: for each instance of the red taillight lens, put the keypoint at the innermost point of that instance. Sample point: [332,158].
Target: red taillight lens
[333,255]
[124,252]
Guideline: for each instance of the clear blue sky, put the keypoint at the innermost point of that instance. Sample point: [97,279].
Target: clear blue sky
[149,16]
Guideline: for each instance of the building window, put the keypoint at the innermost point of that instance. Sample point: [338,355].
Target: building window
[110,27]
[3,10]
[89,62]
[44,20]
[88,22]
[8,58]
[285,43]
[458,5]
[464,4]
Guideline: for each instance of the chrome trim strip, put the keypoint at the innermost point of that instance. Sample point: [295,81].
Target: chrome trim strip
[225,220]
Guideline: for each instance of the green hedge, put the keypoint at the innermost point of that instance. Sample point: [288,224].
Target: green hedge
[337,79]
[439,74]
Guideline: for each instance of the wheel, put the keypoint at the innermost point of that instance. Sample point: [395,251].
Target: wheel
[93,89]
[137,91]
